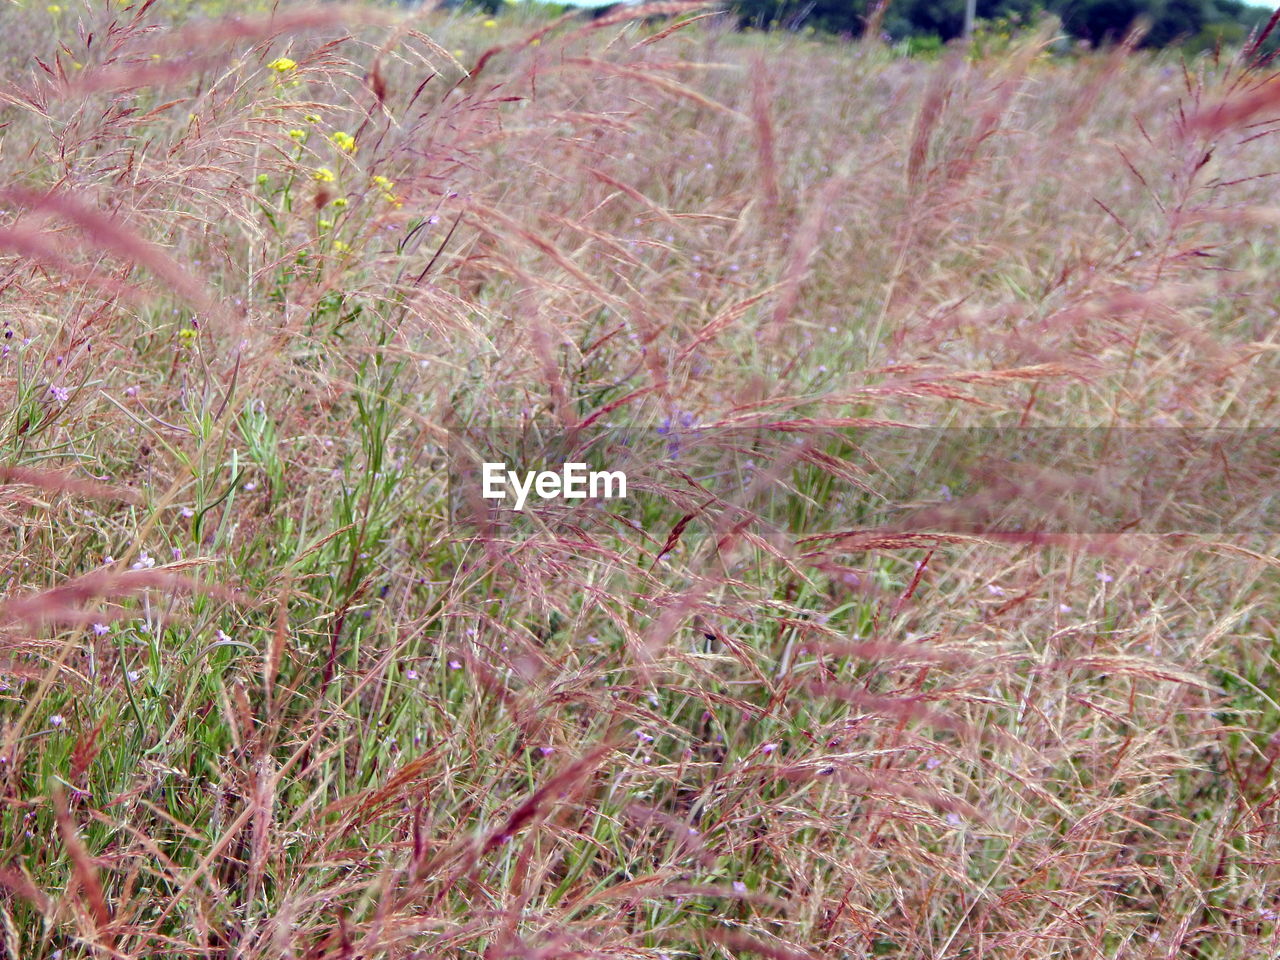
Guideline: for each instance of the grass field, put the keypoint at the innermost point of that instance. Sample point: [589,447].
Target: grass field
[266,691]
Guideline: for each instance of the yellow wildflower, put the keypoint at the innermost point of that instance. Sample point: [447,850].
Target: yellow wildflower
[323,174]
[53,8]
[311,118]
[340,202]
[340,246]
[324,224]
[343,141]
[298,134]
[491,23]
[282,65]
[384,183]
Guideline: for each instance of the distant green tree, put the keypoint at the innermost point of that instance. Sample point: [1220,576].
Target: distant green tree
[833,16]
[945,18]
[942,18]
[1099,21]
[1177,20]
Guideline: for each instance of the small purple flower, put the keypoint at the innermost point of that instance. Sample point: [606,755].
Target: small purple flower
[101,629]
[134,676]
[222,637]
[954,819]
[769,748]
[546,751]
[644,737]
[933,763]
[455,665]
[56,720]
[739,887]
[187,513]
[411,674]
[1105,577]
[130,391]
[60,394]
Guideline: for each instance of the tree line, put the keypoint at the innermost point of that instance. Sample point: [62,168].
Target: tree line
[1196,24]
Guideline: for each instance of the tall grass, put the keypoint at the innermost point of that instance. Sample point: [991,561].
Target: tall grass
[263,694]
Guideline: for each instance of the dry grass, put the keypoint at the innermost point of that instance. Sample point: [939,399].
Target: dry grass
[261,698]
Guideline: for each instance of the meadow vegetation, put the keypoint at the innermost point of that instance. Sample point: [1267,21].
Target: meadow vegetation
[262,696]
